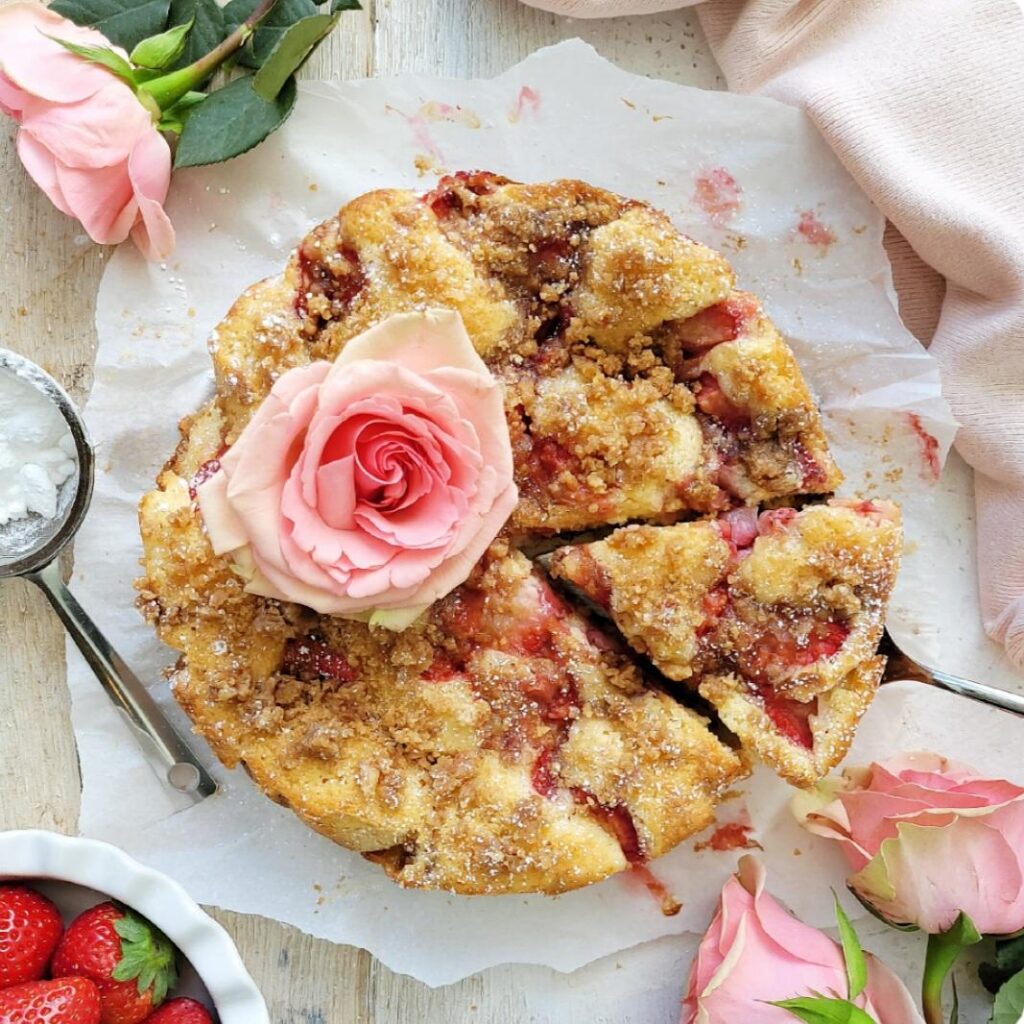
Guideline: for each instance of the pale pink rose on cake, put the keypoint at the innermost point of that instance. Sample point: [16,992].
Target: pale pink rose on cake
[927,839]
[755,954]
[83,135]
[373,484]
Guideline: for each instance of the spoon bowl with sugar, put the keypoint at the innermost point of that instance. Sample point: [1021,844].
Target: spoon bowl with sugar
[46,480]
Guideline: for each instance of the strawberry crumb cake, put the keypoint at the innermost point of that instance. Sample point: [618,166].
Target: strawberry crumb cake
[436,388]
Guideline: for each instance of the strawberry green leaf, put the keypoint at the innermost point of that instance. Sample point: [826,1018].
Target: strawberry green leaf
[147,957]
[853,954]
[820,1010]
[1009,1005]
[230,122]
[291,51]
[124,22]
[161,51]
[102,55]
[208,27]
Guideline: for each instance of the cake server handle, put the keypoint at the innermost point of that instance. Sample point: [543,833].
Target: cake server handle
[169,755]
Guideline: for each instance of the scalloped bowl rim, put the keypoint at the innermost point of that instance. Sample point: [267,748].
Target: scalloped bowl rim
[94,864]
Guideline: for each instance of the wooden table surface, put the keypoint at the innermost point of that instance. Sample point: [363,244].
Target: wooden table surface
[49,276]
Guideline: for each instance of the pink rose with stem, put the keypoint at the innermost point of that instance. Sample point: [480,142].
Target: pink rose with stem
[757,964]
[369,487]
[93,121]
[933,845]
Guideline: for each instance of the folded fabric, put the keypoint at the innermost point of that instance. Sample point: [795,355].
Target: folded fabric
[922,100]
[607,8]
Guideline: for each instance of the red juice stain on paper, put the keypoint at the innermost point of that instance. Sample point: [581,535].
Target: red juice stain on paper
[717,194]
[812,230]
[929,447]
[641,874]
[527,99]
[733,835]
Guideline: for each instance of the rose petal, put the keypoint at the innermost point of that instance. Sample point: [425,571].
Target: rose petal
[42,67]
[101,198]
[99,131]
[149,169]
[42,168]
[12,99]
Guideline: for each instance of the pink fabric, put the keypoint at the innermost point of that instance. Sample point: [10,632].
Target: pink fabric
[922,101]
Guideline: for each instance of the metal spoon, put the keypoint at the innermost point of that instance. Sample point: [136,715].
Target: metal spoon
[31,552]
[902,666]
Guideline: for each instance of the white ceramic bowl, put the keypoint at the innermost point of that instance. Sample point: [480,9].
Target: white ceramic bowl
[48,857]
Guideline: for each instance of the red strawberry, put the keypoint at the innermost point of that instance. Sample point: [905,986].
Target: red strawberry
[132,964]
[62,1001]
[180,1011]
[30,928]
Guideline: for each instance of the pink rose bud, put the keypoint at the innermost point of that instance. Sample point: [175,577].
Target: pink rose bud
[373,484]
[83,136]
[755,954]
[927,839]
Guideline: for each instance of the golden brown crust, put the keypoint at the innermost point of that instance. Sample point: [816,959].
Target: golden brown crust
[775,620]
[501,743]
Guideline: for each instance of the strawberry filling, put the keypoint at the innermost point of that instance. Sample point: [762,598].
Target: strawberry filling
[775,520]
[203,473]
[714,604]
[551,330]
[616,820]
[442,668]
[339,280]
[791,718]
[713,402]
[551,458]
[724,321]
[444,198]
[812,473]
[738,528]
[591,579]
[733,835]
[309,658]
[780,648]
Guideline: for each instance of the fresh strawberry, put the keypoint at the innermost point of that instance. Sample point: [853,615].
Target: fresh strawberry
[180,1011]
[131,963]
[62,1001]
[30,928]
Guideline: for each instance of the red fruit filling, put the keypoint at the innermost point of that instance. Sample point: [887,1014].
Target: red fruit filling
[308,658]
[616,820]
[543,775]
[715,603]
[203,473]
[775,520]
[591,578]
[553,328]
[738,527]
[550,459]
[443,667]
[338,280]
[444,198]
[713,402]
[791,718]
[779,648]
[670,906]
[724,321]
[733,835]
[812,473]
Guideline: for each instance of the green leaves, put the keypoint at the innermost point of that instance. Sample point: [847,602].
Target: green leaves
[942,953]
[1009,1005]
[1009,961]
[822,1010]
[147,957]
[208,27]
[230,122]
[853,954]
[161,51]
[291,51]
[124,22]
[177,45]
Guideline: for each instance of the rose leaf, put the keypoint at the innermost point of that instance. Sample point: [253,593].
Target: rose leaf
[124,22]
[291,51]
[853,954]
[1009,1005]
[230,122]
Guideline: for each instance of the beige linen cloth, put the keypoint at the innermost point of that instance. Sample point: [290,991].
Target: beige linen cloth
[923,101]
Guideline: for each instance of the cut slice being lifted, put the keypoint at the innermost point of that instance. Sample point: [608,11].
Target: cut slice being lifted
[776,609]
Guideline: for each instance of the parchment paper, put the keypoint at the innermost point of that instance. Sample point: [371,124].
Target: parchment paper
[562,112]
